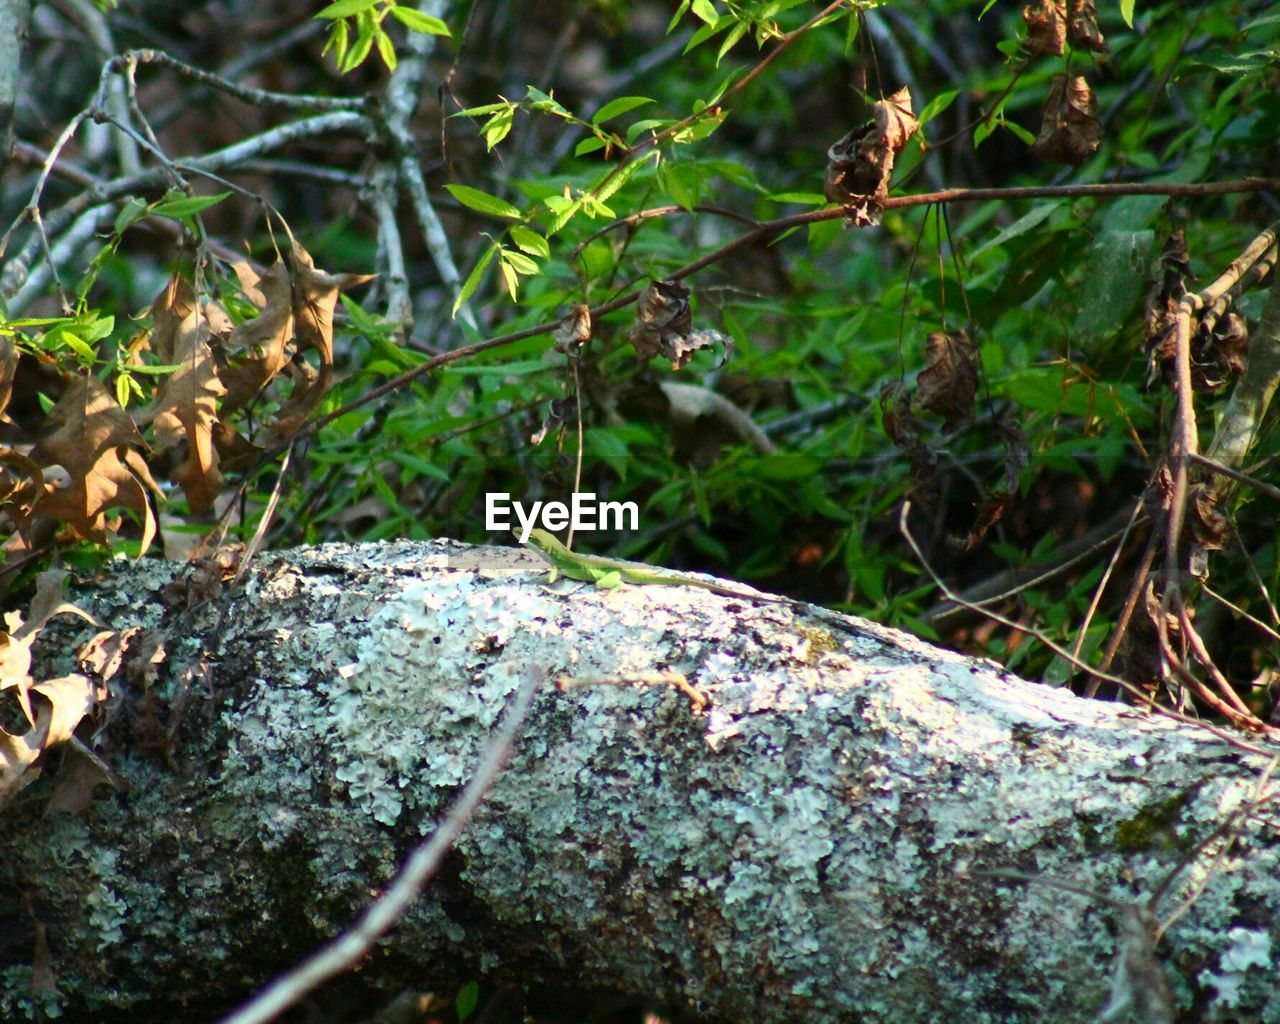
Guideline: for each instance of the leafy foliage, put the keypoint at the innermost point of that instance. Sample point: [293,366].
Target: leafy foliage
[820,333]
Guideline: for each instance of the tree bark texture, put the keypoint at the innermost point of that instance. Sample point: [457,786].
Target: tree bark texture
[809,845]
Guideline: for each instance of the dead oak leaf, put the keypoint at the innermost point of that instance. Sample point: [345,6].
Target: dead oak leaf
[97,445]
[67,700]
[186,403]
[315,297]
[256,350]
[8,367]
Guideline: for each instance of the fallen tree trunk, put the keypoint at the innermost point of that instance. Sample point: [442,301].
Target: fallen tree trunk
[805,831]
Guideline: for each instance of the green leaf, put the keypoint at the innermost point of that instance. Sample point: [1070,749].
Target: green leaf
[519,262]
[708,31]
[1126,12]
[803,198]
[675,18]
[474,278]
[181,205]
[530,241]
[937,105]
[705,10]
[498,127]
[416,21]
[386,49]
[737,32]
[1019,131]
[482,202]
[509,278]
[634,131]
[621,105]
[590,144]
[133,211]
[563,210]
[345,8]
[468,997]
[487,108]
[545,103]
[363,44]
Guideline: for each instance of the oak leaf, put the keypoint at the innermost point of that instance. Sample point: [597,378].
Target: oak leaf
[97,446]
[315,296]
[186,403]
[256,350]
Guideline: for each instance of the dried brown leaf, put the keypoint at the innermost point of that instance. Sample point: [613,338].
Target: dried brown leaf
[1082,29]
[186,403]
[66,701]
[1046,28]
[256,350]
[663,319]
[948,384]
[315,297]
[78,776]
[8,367]
[990,510]
[96,444]
[1069,131]
[860,164]
[574,330]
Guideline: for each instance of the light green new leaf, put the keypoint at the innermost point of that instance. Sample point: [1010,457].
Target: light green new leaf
[519,262]
[482,202]
[705,10]
[419,22]
[345,8]
[1126,12]
[386,49]
[530,241]
[184,206]
[621,105]
[474,278]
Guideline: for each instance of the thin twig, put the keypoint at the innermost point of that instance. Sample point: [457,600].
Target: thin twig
[255,97]
[1252,481]
[384,913]
[1062,652]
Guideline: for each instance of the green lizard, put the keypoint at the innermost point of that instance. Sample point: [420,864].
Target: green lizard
[609,574]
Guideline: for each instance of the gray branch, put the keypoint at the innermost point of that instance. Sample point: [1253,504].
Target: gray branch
[14,17]
[800,832]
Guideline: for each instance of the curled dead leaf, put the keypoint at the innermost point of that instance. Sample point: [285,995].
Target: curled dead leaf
[66,701]
[256,349]
[1082,28]
[186,402]
[559,412]
[860,164]
[315,297]
[8,367]
[663,319]
[574,330]
[990,510]
[948,384]
[1070,131]
[1046,28]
